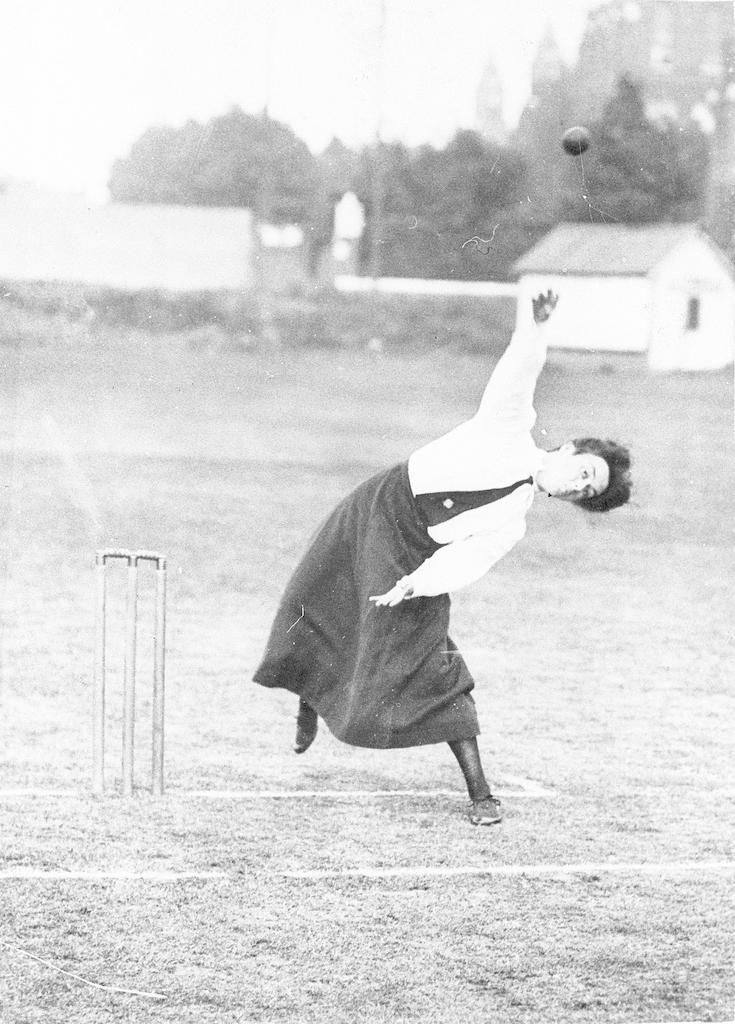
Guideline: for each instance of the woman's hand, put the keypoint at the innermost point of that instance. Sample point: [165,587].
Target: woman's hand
[402,591]
[544,306]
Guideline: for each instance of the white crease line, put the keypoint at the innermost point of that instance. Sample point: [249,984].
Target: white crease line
[11,794]
[437,871]
[120,874]
[531,870]
[345,794]
[533,792]
[529,787]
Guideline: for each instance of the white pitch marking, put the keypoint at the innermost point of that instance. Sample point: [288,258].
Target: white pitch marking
[529,787]
[285,794]
[530,870]
[531,791]
[113,874]
[8,794]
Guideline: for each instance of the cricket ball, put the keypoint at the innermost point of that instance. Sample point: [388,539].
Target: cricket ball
[575,141]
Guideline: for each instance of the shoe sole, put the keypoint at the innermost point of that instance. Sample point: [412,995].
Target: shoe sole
[301,748]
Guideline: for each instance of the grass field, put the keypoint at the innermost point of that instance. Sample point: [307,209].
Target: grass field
[602,649]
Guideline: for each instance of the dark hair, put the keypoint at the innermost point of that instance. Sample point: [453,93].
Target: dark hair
[617,458]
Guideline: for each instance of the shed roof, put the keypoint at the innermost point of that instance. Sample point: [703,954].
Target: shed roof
[609,249]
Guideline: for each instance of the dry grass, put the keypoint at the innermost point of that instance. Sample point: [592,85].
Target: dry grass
[602,649]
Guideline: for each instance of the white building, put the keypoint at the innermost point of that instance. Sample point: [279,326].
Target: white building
[51,236]
[663,290]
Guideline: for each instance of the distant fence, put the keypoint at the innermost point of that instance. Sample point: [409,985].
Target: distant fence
[417,286]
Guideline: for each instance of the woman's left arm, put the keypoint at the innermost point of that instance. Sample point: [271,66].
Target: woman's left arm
[454,565]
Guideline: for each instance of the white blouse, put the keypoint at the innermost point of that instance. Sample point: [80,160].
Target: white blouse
[492,450]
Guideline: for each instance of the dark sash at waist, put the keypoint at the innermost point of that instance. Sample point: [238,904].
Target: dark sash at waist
[440,506]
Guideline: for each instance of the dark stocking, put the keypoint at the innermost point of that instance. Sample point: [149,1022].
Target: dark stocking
[307,723]
[468,756]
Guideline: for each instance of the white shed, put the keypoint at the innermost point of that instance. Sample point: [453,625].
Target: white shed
[665,290]
[56,236]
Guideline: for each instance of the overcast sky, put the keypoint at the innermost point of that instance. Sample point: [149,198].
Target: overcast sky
[82,79]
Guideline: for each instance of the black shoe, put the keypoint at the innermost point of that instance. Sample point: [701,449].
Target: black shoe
[485,811]
[307,723]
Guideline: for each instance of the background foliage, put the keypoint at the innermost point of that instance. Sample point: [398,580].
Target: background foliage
[467,210]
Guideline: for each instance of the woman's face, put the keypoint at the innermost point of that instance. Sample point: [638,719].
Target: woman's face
[570,475]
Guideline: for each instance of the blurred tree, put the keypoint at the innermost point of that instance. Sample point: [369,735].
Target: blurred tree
[436,201]
[638,170]
[337,165]
[233,160]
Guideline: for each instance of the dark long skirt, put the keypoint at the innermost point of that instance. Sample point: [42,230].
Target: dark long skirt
[379,677]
